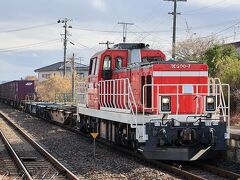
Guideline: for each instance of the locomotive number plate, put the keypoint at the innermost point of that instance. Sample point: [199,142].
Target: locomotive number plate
[180,66]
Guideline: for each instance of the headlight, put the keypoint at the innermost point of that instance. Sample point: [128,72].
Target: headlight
[210,99]
[165,100]
[210,103]
[166,103]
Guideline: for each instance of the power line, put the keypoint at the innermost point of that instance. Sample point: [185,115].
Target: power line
[27,28]
[226,28]
[208,12]
[223,30]
[92,49]
[28,45]
[205,7]
[154,31]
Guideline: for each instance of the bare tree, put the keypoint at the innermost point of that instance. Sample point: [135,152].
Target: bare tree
[193,48]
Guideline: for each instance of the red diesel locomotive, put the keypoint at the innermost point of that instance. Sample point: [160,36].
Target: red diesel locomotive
[167,110]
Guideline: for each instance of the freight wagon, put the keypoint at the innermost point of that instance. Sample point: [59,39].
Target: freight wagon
[16,91]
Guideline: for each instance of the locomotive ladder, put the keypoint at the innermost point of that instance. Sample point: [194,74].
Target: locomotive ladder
[222,106]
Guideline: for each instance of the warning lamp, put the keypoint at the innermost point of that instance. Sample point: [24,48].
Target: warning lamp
[165,103]
[210,103]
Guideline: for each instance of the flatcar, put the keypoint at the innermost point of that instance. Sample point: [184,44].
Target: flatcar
[167,110]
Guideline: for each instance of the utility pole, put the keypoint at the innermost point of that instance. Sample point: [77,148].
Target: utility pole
[65,21]
[174,13]
[73,78]
[125,25]
[235,32]
[107,43]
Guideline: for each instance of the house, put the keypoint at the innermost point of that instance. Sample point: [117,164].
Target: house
[57,69]
[236,45]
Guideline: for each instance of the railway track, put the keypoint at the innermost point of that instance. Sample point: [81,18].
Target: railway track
[8,169]
[185,170]
[188,170]
[32,160]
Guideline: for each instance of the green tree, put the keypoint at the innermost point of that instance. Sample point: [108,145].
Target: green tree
[219,55]
[229,73]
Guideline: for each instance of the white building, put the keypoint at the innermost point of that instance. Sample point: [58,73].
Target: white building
[57,69]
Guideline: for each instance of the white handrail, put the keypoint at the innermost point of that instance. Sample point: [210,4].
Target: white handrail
[116,94]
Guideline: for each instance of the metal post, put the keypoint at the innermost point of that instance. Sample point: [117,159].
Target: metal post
[94,149]
[94,135]
[125,30]
[65,45]
[65,21]
[174,29]
[73,78]
[174,13]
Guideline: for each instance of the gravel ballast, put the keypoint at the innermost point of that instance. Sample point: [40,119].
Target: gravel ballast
[75,152]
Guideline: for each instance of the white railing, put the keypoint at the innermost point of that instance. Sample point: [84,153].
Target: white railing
[81,98]
[113,95]
[117,95]
[222,102]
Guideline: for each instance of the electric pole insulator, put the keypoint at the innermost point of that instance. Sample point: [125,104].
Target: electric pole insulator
[107,43]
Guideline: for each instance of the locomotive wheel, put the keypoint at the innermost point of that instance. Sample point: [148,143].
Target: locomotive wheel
[134,145]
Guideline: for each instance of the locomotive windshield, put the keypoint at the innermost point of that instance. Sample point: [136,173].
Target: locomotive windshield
[107,63]
[118,63]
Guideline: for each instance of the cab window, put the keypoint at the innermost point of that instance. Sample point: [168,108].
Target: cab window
[107,63]
[118,63]
[92,66]
[97,66]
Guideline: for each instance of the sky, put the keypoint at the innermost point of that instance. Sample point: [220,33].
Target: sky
[30,36]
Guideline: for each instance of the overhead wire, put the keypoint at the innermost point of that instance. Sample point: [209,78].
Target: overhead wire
[221,31]
[27,28]
[29,45]
[74,41]
[205,7]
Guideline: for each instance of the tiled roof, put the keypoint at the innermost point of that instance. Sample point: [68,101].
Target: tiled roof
[59,66]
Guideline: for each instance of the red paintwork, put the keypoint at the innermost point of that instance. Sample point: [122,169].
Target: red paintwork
[134,74]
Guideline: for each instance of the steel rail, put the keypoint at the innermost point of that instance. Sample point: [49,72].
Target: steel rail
[15,157]
[159,164]
[219,171]
[41,150]
[167,167]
